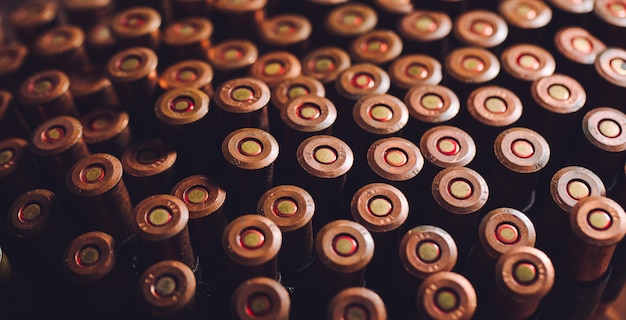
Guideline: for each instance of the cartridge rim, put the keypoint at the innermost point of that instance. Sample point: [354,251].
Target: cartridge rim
[48,44]
[269,206]
[605,128]
[480,28]
[162,157]
[34,14]
[389,214]
[214,200]
[559,93]
[610,65]
[417,265]
[103,124]
[195,106]
[578,45]
[522,150]
[122,26]
[189,73]
[478,104]
[537,13]
[451,284]
[432,103]
[179,298]
[286,65]
[94,175]
[503,229]
[583,226]
[245,54]
[12,150]
[356,259]
[362,79]
[295,116]
[187,31]
[406,169]
[542,63]
[105,246]
[276,305]
[298,25]
[376,46]
[472,65]
[258,254]
[366,19]
[430,145]
[263,155]
[415,70]
[367,300]
[159,217]
[560,183]
[131,65]
[43,87]
[55,136]
[257,99]
[514,288]
[30,213]
[292,88]
[425,26]
[572,6]
[306,155]
[392,119]
[470,201]
[333,59]
[603,9]
[12,58]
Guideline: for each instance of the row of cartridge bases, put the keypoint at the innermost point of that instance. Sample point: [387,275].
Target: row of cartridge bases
[105,116]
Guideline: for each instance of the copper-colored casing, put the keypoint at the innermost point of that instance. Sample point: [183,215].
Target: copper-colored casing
[416,267]
[496,29]
[251,112]
[297,248]
[62,47]
[41,105]
[92,89]
[346,86]
[169,241]
[282,94]
[335,61]
[31,19]
[57,156]
[108,282]
[145,34]
[196,74]
[390,47]
[246,263]
[180,303]
[207,218]
[134,87]
[107,130]
[153,176]
[589,249]
[360,298]
[106,201]
[376,158]
[428,71]
[188,38]
[288,67]
[454,282]
[49,233]
[273,291]
[510,61]
[518,300]
[335,272]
